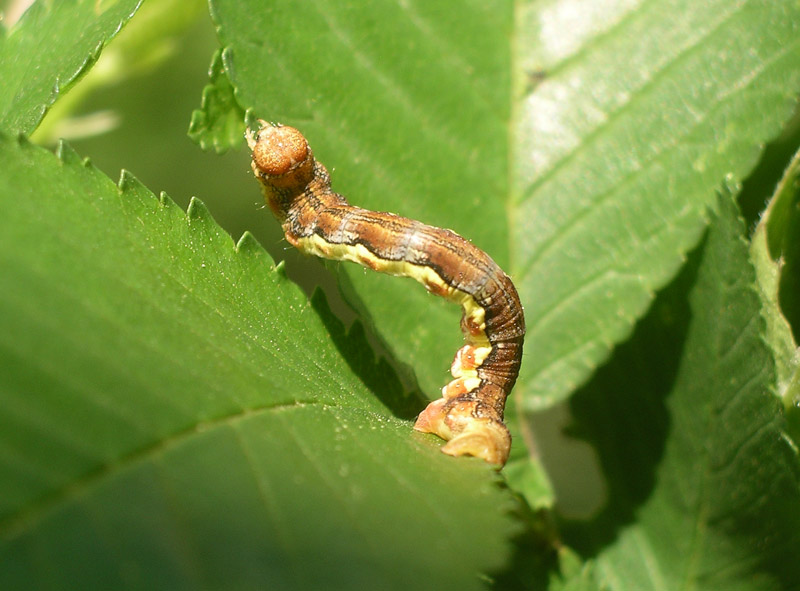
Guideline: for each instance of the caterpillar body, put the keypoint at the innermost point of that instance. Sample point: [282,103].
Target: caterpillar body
[321,222]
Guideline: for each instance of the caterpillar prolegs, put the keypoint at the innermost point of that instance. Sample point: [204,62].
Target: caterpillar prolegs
[319,221]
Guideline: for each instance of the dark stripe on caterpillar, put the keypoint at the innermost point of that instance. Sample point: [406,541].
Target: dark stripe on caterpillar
[320,222]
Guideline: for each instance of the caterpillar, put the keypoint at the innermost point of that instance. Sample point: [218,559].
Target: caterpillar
[318,221]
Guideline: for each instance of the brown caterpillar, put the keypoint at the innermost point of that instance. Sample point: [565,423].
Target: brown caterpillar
[320,222]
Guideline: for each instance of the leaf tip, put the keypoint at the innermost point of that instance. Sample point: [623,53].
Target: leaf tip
[128,182]
[198,124]
[197,210]
[251,120]
[67,154]
[248,244]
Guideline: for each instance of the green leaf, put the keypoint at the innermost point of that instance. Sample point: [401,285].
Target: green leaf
[50,48]
[174,414]
[574,574]
[143,45]
[775,252]
[773,248]
[636,114]
[219,123]
[703,483]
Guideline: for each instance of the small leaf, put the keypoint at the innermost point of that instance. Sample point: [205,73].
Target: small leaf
[775,254]
[574,574]
[219,123]
[43,56]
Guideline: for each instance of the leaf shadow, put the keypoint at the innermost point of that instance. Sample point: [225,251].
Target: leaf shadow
[377,374]
[622,412]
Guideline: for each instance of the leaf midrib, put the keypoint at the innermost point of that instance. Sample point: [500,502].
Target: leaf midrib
[17,524]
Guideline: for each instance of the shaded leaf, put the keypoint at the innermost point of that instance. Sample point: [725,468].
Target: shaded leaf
[574,574]
[775,252]
[52,45]
[703,483]
[144,44]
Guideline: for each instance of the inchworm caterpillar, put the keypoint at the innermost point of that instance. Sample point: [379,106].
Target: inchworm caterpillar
[320,222]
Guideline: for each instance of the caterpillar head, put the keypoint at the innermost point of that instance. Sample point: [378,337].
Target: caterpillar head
[282,161]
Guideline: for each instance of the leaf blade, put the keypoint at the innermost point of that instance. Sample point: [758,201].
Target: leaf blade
[704,498]
[43,58]
[634,160]
[172,360]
